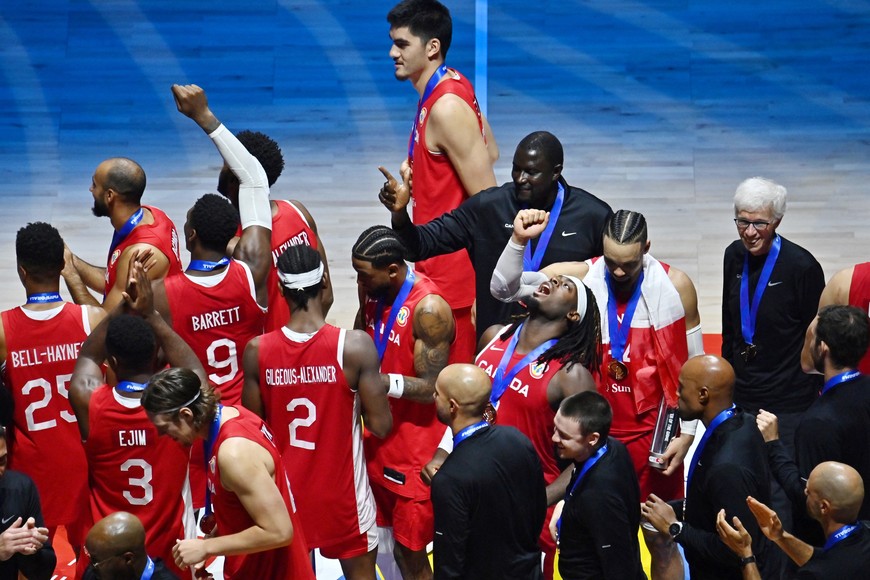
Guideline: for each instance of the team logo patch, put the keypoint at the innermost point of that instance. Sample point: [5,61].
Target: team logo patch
[537,370]
[423,113]
[115,255]
[402,316]
[211,464]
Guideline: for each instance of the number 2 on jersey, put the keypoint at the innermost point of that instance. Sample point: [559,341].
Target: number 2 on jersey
[300,422]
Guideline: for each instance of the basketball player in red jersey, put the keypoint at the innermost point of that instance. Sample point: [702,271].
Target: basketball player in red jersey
[413,330]
[313,382]
[39,343]
[451,148]
[850,286]
[117,187]
[129,467]
[652,326]
[256,526]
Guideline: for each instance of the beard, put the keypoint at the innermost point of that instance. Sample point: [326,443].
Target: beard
[100,209]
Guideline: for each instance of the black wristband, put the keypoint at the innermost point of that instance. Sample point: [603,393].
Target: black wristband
[747,560]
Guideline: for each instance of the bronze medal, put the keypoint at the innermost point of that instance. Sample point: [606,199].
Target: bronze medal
[489,414]
[617,370]
[207,524]
[749,351]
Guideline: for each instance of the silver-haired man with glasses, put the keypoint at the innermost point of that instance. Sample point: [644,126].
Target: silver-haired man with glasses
[770,294]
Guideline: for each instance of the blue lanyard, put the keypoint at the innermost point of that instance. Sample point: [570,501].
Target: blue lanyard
[840,379]
[381,329]
[717,420]
[131,387]
[430,86]
[532,263]
[501,380]
[749,314]
[209,446]
[44,298]
[840,535]
[207,265]
[149,569]
[619,332]
[125,230]
[468,432]
[587,465]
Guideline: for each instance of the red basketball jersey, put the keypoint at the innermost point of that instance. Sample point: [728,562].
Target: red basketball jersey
[132,469]
[161,234]
[217,316]
[438,190]
[524,403]
[395,461]
[288,562]
[289,228]
[859,295]
[316,415]
[41,352]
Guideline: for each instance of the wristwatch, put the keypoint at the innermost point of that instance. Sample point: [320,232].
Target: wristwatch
[747,560]
[675,529]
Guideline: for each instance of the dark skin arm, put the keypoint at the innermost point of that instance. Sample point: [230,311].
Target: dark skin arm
[434,330]
[251,397]
[361,368]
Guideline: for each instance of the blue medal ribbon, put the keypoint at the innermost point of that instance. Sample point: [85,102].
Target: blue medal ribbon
[381,329]
[44,298]
[207,265]
[840,535]
[840,379]
[468,432]
[749,314]
[125,230]
[532,262]
[717,420]
[209,446]
[131,387]
[587,465]
[430,86]
[619,331]
[149,569]
[501,380]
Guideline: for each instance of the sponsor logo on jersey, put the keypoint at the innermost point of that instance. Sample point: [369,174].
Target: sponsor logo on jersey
[537,370]
[115,255]
[423,113]
[402,316]
[212,463]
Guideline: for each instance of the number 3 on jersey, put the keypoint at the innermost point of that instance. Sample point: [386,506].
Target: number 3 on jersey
[301,422]
[145,496]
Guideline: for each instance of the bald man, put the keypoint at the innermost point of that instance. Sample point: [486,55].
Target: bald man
[117,186]
[835,492]
[116,545]
[729,464]
[489,495]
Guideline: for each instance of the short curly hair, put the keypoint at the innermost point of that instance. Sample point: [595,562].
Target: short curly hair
[215,220]
[39,249]
[266,150]
[130,340]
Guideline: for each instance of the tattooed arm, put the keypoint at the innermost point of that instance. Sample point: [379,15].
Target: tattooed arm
[434,330]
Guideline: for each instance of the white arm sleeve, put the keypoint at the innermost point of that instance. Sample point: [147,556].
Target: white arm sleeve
[447,441]
[509,283]
[695,340]
[254,208]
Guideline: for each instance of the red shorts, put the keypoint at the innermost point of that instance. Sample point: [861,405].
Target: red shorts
[358,546]
[412,520]
[465,344]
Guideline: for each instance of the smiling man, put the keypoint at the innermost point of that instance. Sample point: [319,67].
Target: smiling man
[483,224]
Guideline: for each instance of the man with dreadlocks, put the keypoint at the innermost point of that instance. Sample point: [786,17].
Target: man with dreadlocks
[313,383]
[535,365]
[292,223]
[645,307]
[414,331]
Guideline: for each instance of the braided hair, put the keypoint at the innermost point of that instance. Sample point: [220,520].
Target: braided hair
[627,227]
[379,245]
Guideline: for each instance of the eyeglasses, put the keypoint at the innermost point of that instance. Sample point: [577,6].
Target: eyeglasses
[759,226]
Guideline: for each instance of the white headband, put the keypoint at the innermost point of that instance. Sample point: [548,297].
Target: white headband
[581,295]
[303,280]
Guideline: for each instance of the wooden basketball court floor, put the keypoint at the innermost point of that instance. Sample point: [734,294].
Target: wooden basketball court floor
[662,107]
